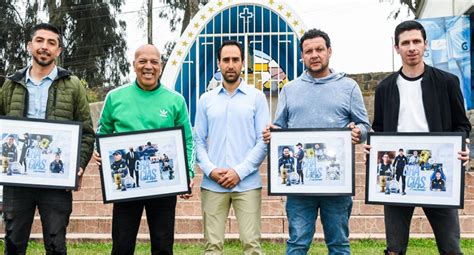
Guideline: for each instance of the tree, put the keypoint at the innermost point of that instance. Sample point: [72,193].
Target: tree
[94,47]
[14,28]
[412,7]
[173,14]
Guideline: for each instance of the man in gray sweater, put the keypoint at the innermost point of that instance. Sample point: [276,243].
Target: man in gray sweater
[320,98]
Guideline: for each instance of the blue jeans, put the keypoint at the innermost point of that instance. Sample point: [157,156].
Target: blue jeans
[302,213]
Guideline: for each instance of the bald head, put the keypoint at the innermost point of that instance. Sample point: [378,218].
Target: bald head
[147,66]
[148,49]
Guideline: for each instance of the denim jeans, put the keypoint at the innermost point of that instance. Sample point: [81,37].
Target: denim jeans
[443,221]
[19,204]
[302,213]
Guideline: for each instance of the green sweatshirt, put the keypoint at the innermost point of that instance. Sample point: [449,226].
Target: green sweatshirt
[130,108]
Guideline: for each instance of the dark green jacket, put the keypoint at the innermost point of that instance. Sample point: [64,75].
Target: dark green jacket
[66,101]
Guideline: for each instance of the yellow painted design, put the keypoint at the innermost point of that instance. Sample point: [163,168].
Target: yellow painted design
[261,67]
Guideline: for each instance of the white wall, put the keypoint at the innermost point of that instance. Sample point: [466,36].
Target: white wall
[441,8]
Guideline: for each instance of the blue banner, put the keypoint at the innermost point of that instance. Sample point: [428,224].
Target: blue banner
[449,49]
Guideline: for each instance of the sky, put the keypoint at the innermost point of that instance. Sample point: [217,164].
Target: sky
[360,30]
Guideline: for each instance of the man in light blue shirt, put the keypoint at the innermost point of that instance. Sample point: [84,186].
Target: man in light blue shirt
[38,93]
[229,151]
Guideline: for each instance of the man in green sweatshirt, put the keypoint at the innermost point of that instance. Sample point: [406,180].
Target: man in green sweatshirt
[142,105]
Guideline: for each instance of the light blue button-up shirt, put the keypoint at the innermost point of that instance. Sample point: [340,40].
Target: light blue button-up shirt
[228,134]
[38,93]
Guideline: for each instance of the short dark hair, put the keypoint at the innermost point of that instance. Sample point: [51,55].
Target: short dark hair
[46,26]
[313,33]
[228,43]
[400,149]
[286,147]
[407,26]
[299,144]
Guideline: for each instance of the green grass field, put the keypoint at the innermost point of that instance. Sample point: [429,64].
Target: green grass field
[416,247]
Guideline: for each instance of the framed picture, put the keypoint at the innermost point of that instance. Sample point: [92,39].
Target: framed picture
[311,162]
[415,169]
[143,164]
[39,153]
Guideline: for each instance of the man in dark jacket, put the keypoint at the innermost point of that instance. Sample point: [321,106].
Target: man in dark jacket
[299,156]
[399,163]
[43,91]
[286,166]
[9,154]
[419,98]
[131,158]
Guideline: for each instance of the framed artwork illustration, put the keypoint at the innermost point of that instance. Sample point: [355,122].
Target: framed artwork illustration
[143,164]
[415,169]
[311,162]
[39,153]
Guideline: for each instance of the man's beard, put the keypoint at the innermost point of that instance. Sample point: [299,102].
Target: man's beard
[42,63]
[230,80]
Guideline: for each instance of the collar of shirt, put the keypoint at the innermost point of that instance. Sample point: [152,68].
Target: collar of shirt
[51,76]
[243,88]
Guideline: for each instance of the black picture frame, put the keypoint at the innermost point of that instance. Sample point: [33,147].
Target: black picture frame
[160,164]
[40,153]
[327,166]
[431,177]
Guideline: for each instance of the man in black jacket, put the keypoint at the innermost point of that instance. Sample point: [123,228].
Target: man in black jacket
[131,157]
[419,98]
[399,163]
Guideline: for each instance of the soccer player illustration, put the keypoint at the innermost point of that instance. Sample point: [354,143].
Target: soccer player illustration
[299,156]
[425,157]
[384,172]
[333,172]
[27,143]
[120,172]
[319,151]
[9,154]
[166,165]
[131,158]
[57,165]
[438,183]
[149,151]
[438,178]
[414,159]
[399,163]
[286,166]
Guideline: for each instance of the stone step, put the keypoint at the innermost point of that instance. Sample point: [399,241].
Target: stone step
[272,207]
[270,225]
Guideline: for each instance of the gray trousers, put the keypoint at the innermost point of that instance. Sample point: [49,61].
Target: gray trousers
[444,222]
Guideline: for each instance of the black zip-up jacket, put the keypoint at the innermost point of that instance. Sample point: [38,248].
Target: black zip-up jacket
[442,100]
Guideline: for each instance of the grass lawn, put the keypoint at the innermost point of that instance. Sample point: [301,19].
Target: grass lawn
[416,247]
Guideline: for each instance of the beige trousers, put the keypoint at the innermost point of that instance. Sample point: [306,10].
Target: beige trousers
[215,210]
